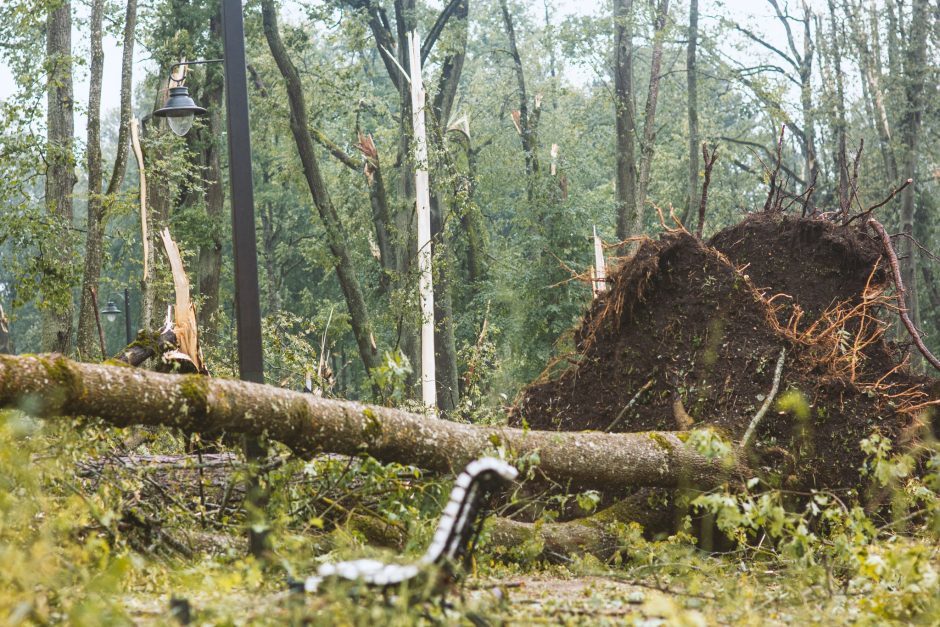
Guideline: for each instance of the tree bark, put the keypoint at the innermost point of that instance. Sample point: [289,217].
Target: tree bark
[98,203]
[692,95]
[586,536]
[915,74]
[528,120]
[209,268]
[51,385]
[830,66]
[6,346]
[95,224]
[625,116]
[447,376]
[806,102]
[336,234]
[60,179]
[648,145]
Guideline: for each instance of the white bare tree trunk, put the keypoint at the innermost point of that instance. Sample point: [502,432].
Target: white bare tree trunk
[423,197]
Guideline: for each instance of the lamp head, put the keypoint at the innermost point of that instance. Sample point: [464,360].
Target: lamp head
[179,110]
[111,311]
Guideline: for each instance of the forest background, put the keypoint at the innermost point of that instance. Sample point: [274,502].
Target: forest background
[546,120]
[514,200]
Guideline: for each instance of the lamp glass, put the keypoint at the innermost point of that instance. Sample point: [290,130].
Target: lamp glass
[111,317]
[180,124]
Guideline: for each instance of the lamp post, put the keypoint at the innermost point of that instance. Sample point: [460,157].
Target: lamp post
[180,110]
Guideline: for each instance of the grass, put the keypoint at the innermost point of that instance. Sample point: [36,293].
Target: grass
[69,554]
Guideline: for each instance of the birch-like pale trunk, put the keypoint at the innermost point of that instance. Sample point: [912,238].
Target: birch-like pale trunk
[146,314]
[423,199]
[600,265]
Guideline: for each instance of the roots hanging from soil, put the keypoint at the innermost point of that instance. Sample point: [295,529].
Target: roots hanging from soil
[701,326]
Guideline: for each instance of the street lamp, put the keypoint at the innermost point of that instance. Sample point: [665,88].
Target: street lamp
[180,109]
[111,311]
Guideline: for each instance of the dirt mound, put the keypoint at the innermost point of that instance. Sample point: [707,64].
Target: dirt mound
[689,334]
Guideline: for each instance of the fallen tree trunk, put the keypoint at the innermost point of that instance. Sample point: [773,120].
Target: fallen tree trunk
[147,345]
[594,535]
[51,385]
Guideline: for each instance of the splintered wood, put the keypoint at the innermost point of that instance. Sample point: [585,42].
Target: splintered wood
[139,155]
[185,313]
[600,266]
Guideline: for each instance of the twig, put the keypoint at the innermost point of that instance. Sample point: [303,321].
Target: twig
[847,195]
[900,292]
[630,404]
[709,162]
[884,202]
[769,203]
[752,428]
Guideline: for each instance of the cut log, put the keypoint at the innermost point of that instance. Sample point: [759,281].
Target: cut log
[52,385]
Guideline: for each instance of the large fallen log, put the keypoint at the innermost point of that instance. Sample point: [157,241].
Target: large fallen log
[51,385]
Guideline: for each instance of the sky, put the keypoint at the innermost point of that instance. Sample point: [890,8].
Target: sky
[758,15]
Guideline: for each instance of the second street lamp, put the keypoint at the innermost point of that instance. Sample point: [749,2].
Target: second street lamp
[111,311]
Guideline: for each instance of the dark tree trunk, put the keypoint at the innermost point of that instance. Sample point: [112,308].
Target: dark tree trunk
[528,120]
[648,146]
[98,203]
[625,117]
[692,90]
[915,74]
[336,234]
[446,374]
[210,253]
[87,331]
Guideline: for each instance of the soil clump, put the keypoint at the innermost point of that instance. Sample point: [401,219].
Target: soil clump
[688,336]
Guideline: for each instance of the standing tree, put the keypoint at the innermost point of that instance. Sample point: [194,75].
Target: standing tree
[692,96]
[633,178]
[98,203]
[60,179]
[915,77]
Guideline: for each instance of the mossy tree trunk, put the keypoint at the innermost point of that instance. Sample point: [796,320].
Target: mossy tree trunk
[56,295]
[52,385]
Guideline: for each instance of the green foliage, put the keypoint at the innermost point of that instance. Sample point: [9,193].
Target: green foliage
[391,377]
[826,537]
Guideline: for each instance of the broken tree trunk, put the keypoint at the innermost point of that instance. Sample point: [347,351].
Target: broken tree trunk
[185,328]
[585,536]
[423,196]
[149,344]
[52,385]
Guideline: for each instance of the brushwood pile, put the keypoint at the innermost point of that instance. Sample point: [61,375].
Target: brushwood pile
[688,335]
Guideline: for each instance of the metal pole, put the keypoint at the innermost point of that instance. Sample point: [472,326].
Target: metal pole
[247,298]
[127,316]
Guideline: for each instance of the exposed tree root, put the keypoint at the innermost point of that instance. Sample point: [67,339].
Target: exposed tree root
[900,293]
